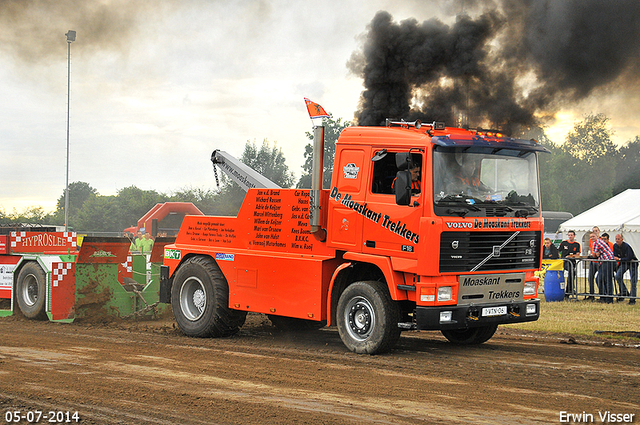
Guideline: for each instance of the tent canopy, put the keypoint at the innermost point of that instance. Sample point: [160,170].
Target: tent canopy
[620,214]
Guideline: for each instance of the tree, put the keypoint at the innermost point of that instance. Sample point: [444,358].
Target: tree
[627,170]
[268,161]
[79,193]
[116,213]
[590,140]
[582,172]
[332,130]
[30,215]
[206,200]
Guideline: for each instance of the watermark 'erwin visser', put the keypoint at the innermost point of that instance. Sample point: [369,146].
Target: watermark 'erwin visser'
[605,417]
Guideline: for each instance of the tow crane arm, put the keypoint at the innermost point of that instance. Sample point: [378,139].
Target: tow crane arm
[245,176]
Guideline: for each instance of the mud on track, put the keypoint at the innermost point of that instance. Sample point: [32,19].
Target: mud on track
[149,373]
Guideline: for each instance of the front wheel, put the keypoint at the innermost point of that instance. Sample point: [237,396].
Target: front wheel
[30,291]
[470,336]
[200,300]
[367,318]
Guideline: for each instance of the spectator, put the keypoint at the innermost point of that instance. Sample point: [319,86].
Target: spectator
[602,251]
[623,253]
[146,245]
[570,249]
[135,244]
[593,265]
[550,251]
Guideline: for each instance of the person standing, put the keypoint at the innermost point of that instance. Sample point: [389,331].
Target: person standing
[146,245]
[570,249]
[603,252]
[550,252]
[623,253]
[593,265]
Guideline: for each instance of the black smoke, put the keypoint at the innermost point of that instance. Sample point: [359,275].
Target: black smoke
[508,67]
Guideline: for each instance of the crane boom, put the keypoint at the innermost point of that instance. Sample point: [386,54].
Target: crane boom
[245,176]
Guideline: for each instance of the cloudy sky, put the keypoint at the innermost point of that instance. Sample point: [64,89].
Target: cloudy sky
[156,86]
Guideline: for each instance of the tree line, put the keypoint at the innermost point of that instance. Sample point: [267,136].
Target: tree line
[584,170]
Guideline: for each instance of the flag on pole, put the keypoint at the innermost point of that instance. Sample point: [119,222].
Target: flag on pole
[315,110]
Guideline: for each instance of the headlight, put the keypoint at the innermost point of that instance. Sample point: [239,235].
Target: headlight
[445,293]
[531,309]
[530,288]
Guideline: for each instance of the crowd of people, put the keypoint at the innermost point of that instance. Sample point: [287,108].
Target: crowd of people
[607,262]
[143,243]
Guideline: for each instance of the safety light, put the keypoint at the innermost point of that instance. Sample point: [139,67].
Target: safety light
[446,316]
[445,293]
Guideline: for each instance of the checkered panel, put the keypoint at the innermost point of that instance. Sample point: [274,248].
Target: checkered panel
[59,270]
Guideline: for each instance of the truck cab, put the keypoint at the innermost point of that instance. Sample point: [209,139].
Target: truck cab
[457,214]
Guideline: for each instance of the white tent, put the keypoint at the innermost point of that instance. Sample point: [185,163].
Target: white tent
[620,214]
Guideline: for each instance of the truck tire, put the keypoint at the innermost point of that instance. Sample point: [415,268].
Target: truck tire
[200,300]
[470,336]
[293,324]
[30,291]
[367,318]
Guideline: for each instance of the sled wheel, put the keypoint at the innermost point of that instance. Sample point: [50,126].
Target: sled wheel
[30,291]
[200,300]
[367,318]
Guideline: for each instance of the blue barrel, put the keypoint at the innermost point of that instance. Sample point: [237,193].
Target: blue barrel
[553,290]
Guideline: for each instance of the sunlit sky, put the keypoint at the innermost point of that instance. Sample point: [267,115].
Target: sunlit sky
[155,89]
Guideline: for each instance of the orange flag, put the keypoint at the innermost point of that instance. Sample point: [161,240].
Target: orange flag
[315,110]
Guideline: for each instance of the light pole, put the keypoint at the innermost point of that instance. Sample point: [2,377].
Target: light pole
[71,36]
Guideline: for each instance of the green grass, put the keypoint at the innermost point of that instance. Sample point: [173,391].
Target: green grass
[584,317]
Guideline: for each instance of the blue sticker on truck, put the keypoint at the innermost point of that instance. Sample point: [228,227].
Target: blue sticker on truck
[225,257]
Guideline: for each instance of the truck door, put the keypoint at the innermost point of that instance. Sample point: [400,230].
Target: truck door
[347,199]
[394,231]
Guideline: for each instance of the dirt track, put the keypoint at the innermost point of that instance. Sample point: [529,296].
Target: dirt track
[148,372]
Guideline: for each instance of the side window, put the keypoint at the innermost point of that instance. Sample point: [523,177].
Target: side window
[385,170]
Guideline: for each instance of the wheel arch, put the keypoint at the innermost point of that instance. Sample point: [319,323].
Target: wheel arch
[171,276]
[356,271]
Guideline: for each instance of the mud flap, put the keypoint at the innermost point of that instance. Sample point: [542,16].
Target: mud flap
[165,286]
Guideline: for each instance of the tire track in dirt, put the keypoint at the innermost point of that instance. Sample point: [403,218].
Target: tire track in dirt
[262,376]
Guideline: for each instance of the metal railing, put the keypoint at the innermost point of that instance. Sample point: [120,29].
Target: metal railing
[607,280]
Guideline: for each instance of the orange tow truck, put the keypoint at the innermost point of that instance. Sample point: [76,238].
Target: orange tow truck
[425,227]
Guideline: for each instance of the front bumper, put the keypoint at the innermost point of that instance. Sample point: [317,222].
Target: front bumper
[470,316]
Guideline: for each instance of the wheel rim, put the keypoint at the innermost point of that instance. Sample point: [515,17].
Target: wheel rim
[360,318]
[30,290]
[193,298]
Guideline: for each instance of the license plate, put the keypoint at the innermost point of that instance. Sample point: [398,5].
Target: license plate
[494,311]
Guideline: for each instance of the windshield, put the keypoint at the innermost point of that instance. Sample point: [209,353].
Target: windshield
[476,180]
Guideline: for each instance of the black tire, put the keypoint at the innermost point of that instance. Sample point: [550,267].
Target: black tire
[200,300]
[470,336]
[367,318]
[293,324]
[30,291]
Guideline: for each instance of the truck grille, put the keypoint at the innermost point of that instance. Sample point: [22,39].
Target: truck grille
[484,251]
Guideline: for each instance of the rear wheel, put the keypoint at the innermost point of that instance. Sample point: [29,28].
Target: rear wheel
[470,336]
[367,318]
[200,300]
[30,291]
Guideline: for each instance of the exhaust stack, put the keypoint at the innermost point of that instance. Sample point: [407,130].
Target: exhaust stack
[316,185]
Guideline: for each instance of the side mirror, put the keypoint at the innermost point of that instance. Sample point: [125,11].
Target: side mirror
[402,187]
[403,159]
